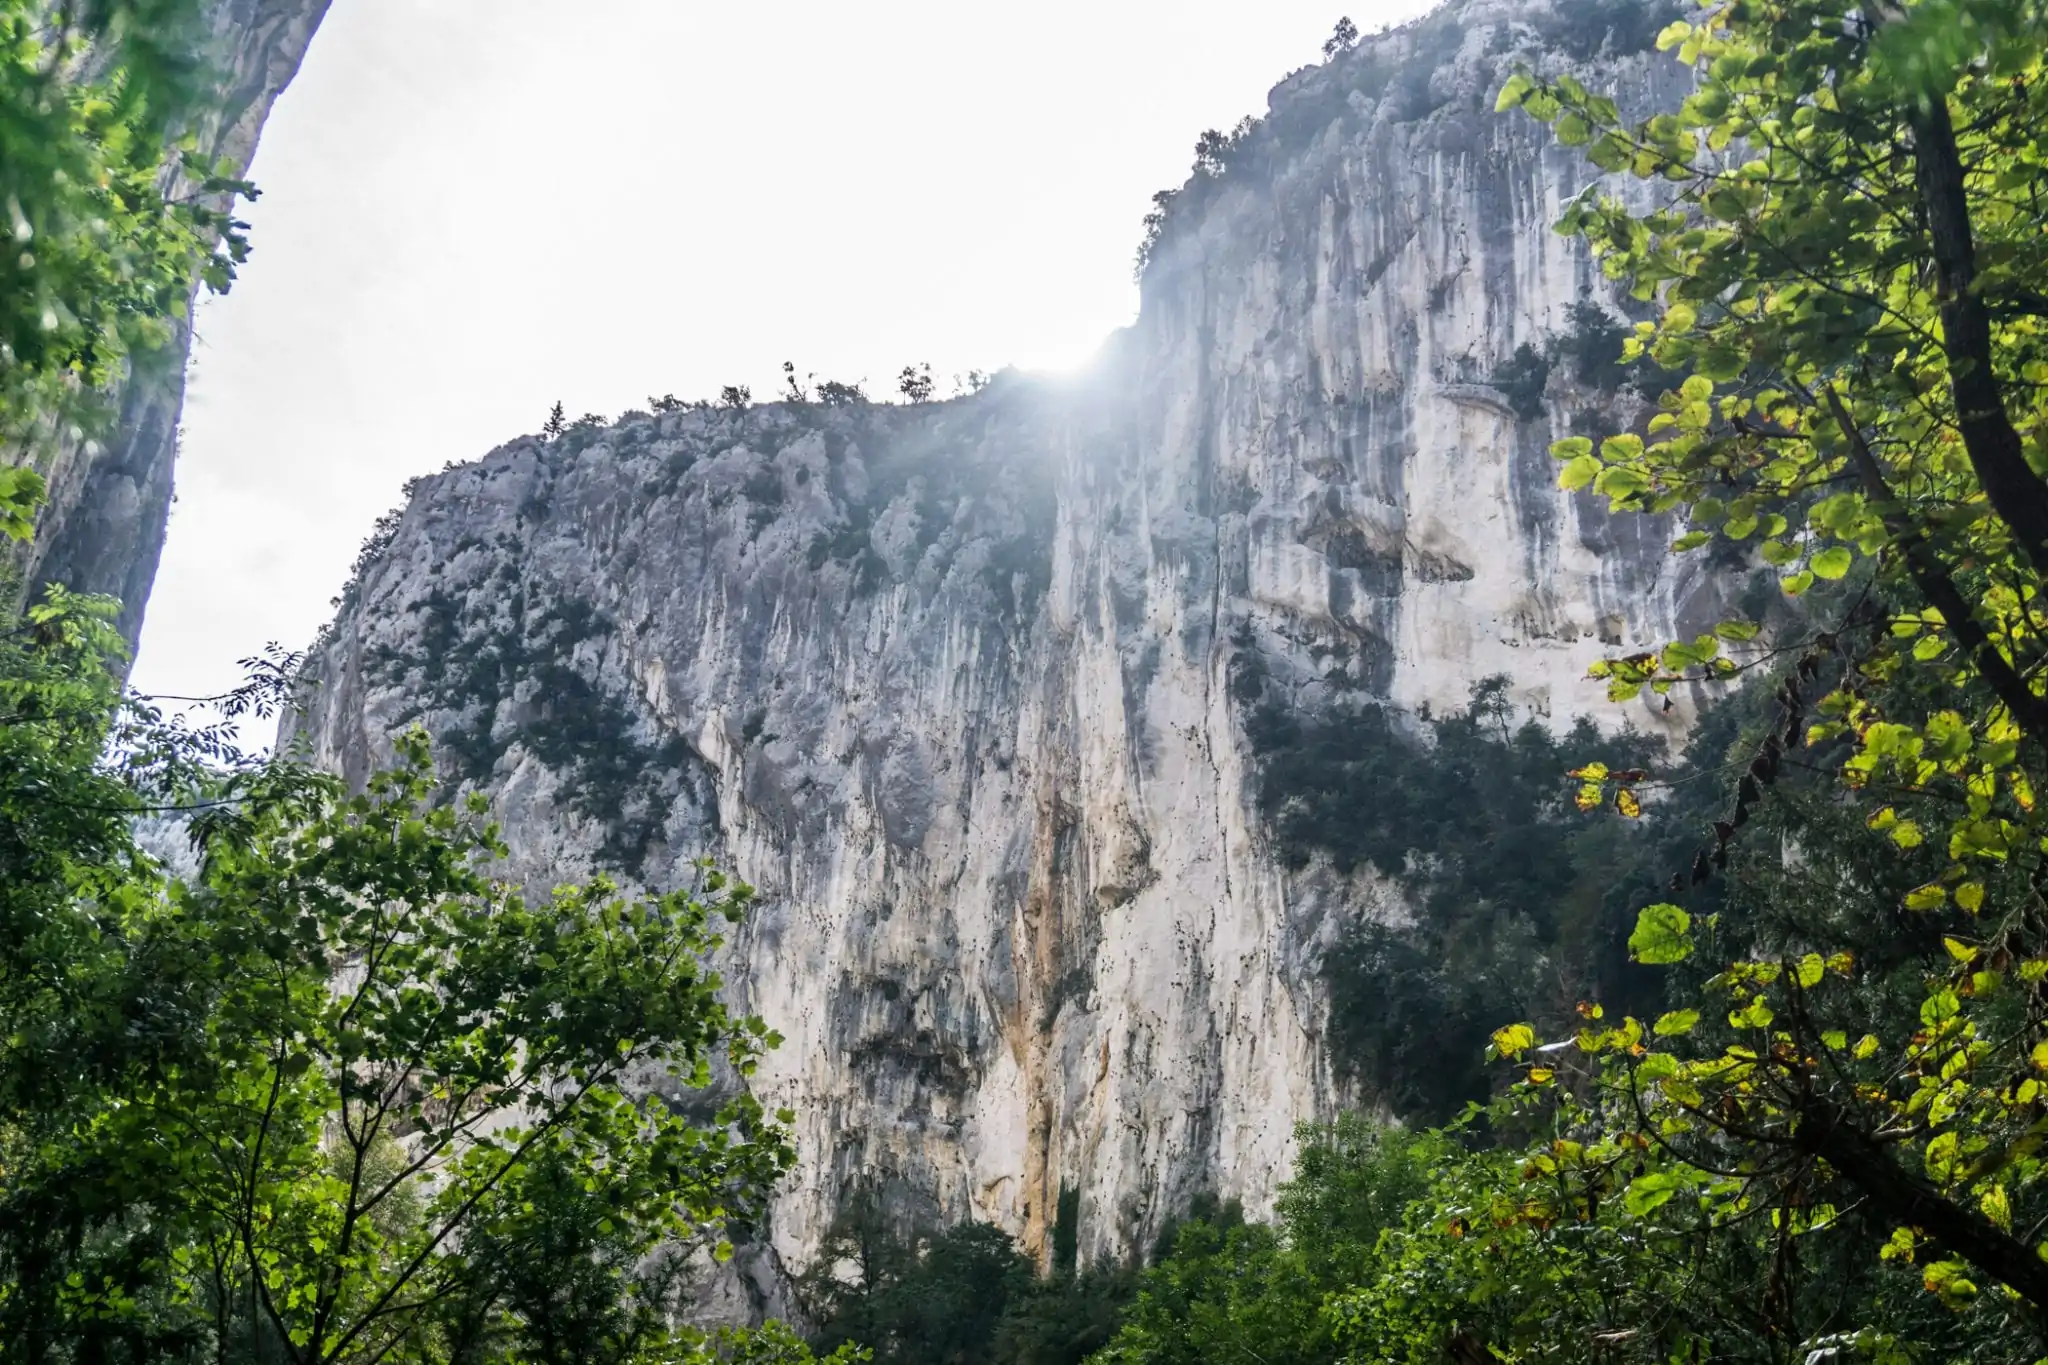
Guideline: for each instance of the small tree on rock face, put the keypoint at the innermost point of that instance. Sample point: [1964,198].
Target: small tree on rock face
[1342,38]
[792,391]
[668,402]
[915,383]
[735,396]
[558,422]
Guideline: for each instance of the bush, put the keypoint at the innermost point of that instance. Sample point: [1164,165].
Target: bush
[1517,894]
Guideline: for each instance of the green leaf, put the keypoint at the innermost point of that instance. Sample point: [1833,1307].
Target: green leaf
[1833,562]
[1619,482]
[21,491]
[1662,936]
[1513,92]
[1677,1022]
[1578,473]
[1939,1008]
[1650,1191]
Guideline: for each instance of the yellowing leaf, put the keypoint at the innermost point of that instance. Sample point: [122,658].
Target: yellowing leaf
[1676,1022]
[1996,1207]
[1932,896]
[1513,1040]
[1625,801]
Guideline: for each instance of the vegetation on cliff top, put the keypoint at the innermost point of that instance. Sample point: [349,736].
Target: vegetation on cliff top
[342,1096]
[1821,1139]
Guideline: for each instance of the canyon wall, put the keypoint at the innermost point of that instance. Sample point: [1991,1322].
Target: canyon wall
[102,529]
[961,686]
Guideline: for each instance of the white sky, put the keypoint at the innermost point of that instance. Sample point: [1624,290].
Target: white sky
[472,208]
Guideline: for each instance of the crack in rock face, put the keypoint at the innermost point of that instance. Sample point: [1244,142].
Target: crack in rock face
[961,686]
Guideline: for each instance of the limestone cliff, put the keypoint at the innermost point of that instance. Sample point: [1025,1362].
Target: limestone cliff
[102,530]
[953,683]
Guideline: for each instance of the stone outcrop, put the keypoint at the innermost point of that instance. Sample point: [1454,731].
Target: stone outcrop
[102,530]
[952,683]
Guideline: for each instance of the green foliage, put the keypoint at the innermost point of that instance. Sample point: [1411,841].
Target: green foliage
[1342,38]
[1589,351]
[915,383]
[1227,1290]
[1522,899]
[1851,274]
[937,1298]
[107,230]
[835,394]
[334,1099]
[962,1296]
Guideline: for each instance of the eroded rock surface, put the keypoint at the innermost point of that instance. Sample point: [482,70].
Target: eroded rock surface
[953,684]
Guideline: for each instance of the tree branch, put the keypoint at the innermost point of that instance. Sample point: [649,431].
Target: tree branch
[1825,1132]
[2019,496]
[2029,711]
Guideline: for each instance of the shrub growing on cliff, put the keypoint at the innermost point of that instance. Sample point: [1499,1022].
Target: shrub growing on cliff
[835,394]
[1342,38]
[915,383]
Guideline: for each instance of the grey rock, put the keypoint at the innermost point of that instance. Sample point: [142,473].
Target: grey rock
[951,683]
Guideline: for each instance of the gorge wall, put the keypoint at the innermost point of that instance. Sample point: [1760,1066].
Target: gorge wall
[102,529]
[961,686]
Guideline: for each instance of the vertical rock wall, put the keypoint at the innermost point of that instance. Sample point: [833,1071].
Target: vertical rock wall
[952,684]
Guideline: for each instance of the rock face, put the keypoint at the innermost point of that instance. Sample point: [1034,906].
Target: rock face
[955,684]
[102,530]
